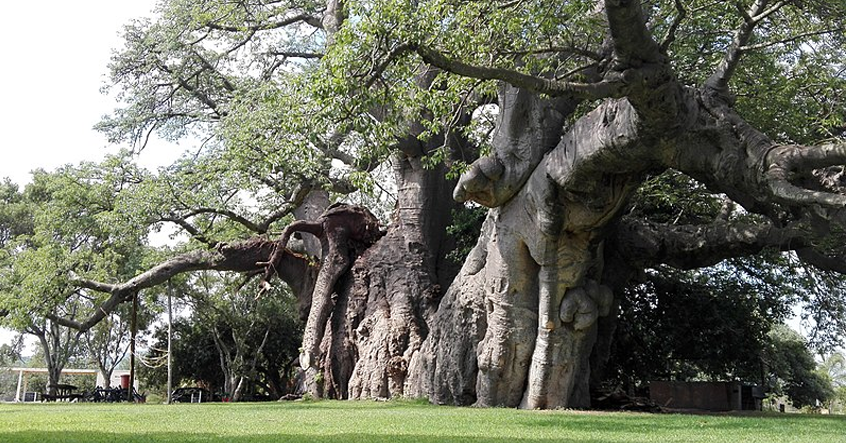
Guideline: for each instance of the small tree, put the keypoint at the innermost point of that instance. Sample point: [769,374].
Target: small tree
[833,369]
[791,369]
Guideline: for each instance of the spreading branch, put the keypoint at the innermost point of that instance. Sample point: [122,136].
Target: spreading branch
[293,268]
[784,162]
[553,88]
[281,23]
[822,261]
[751,19]
[696,246]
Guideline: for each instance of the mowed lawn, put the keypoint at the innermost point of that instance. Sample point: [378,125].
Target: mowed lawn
[393,422]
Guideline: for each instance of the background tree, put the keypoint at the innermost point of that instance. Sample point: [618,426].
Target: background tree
[791,369]
[833,368]
[59,346]
[713,322]
[10,356]
[108,342]
[232,342]
[195,358]
[65,224]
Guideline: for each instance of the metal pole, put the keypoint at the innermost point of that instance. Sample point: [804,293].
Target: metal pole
[133,327]
[20,385]
[169,340]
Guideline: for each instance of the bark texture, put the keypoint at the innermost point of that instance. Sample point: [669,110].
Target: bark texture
[344,233]
[381,317]
[531,282]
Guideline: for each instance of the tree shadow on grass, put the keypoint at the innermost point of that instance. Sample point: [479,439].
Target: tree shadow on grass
[669,423]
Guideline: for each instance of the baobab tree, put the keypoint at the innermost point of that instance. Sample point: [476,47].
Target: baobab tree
[592,98]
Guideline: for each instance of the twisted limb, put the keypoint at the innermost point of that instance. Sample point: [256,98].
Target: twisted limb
[343,231]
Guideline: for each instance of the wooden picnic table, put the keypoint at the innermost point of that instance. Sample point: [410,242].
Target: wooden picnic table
[62,392]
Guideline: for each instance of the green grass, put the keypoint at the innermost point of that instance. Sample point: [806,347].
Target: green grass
[393,422]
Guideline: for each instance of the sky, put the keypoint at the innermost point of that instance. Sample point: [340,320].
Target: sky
[54,59]
[54,56]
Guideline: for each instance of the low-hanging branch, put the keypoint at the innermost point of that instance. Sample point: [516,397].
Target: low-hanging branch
[296,270]
[696,246]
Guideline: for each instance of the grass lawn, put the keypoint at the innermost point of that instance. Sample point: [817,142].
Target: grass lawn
[393,422]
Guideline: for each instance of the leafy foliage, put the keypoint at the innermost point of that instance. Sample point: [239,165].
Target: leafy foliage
[709,324]
[791,369]
[722,323]
[230,334]
[68,224]
[674,198]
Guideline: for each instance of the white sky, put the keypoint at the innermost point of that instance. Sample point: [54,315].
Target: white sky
[53,57]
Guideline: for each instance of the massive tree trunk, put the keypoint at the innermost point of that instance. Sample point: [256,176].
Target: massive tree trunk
[360,342]
[530,285]
[397,283]
[519,324]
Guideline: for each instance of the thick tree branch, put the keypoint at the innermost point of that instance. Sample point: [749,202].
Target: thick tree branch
[292,268]
[632,41]
[822,261]
[783,162]
[732,157]
[690,247]
[281,23]
[333,17]
[553,88]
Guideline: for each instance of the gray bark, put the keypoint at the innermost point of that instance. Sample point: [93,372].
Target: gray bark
[538,274]
[395,286]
